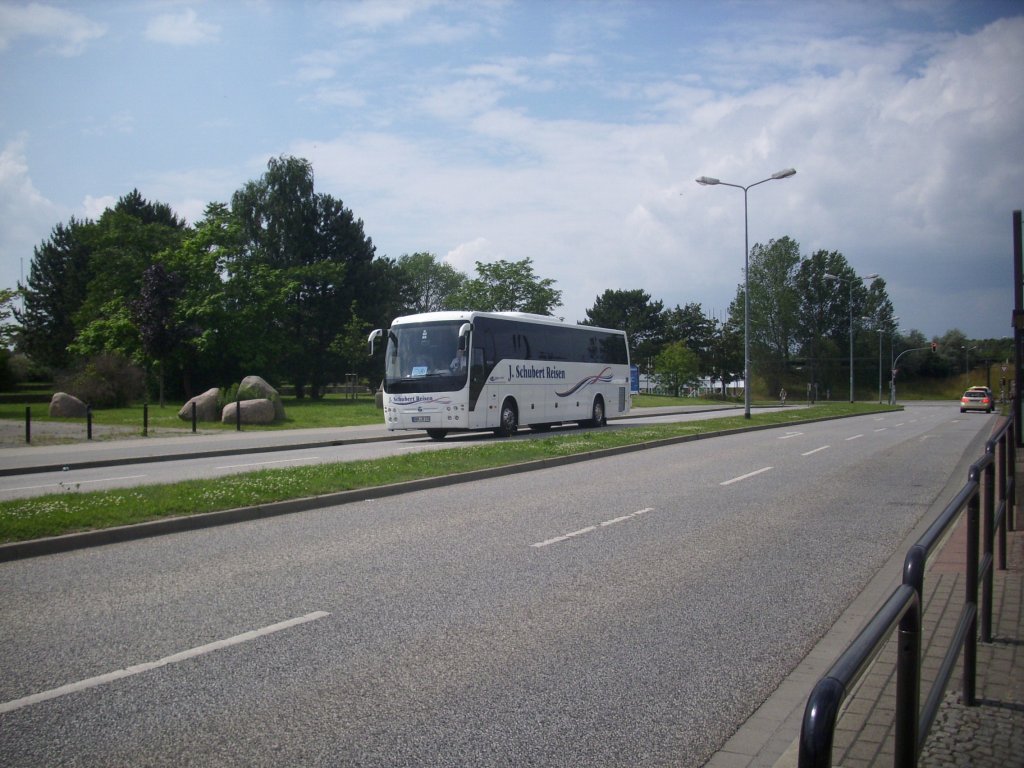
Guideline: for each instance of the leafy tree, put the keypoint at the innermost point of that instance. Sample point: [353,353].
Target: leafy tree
[58,282]
[638,315]
[676,366]
[7,328]
[315,245]
[726,363]
[774,302]
[690,325]
[135,205]
[426,282]
[822,320]
[504,286]
[124,243]
[154,315]
[7,332]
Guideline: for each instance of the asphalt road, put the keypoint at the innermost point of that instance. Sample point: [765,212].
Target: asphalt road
[627,611]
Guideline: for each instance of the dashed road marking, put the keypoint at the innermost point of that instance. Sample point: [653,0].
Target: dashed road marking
[592,528]
[110,677]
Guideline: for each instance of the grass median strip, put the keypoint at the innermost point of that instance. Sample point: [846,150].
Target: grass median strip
[74,510]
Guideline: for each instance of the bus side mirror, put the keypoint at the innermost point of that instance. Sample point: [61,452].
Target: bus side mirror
[464,332]
[374,335]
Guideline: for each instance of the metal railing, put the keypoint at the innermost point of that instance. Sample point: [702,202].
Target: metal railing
[988,499]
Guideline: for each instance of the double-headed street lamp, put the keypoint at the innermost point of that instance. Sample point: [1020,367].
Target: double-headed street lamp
[708,181]
[850,281]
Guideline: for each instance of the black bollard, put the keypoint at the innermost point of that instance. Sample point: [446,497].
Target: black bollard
[88,422]
[193,417]
[145,419]
[28,423]
[238,415]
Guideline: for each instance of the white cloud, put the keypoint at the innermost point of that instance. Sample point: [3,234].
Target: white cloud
[183,28]
[93,207]
[24,211]
[64,32]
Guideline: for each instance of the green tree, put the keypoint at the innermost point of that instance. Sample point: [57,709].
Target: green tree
[7,328]
[58,282]
[154,313]
[7,334]
[126,241]
[675,367]
[504,286]
[634,312]
[689,324]
[774,303]
[823,321]
[426,282]
[317,246]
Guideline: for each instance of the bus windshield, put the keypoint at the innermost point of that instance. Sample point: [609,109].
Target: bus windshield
[424,358]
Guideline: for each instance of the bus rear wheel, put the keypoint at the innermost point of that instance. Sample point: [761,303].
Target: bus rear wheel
[437,434]
[597,417]
[508,420]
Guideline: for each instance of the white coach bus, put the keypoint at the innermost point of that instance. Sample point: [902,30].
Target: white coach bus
[457,371]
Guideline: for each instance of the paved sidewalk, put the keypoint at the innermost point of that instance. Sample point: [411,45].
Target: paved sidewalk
[989,735]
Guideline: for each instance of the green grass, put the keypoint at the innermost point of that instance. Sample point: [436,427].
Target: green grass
[73,510]
[331,411]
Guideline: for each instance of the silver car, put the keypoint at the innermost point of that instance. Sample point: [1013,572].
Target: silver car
[977,399]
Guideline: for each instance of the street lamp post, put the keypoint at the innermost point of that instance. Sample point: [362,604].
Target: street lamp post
[709,181]
[880,331]
[838,279]
[967,367]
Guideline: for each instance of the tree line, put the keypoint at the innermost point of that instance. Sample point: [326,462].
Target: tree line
[283,281]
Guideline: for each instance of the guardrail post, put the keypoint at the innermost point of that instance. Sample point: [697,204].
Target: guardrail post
[819,724]
[28,423]
[971,592]
[986,563]
[1003,504]
[1011,464]
[908,685]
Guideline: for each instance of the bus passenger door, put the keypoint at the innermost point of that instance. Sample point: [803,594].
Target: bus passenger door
[480,417]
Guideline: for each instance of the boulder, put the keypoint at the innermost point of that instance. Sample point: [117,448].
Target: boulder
[254,387]
[207,408]
[67,406]
[259,411]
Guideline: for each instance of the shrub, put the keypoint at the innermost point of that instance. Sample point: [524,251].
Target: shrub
[105,381]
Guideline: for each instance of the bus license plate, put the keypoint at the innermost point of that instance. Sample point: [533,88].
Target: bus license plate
[420,419]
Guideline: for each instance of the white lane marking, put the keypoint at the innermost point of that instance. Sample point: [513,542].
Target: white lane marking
[881,429]
[110,677]
[790,434]
[264,463]
[744,477]
[66,483]
[855,437]
[592,528]
[808,453]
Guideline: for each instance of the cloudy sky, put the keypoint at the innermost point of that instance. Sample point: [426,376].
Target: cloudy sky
[565,131]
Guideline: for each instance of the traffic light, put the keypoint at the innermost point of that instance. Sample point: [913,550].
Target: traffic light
[935,346]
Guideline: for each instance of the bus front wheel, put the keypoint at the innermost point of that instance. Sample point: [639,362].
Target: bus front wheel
[597,417]
[508,420]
